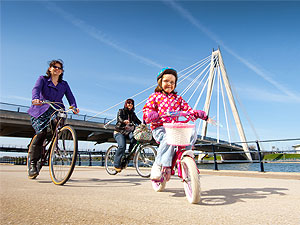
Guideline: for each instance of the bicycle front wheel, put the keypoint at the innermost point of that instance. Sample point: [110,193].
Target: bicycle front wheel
[144,160]
[109,160]
[63,155]
[191,180]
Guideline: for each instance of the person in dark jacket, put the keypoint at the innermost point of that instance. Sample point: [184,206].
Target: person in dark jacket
[126,122]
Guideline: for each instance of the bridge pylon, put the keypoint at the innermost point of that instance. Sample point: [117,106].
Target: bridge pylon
[217,63]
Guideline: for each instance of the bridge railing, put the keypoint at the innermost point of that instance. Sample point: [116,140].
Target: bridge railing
[260,155]
[84,158]
[82,117]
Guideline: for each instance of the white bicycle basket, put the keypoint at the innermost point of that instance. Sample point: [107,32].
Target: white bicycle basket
[179,134]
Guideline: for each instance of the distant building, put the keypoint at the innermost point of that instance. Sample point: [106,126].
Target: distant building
[297,148]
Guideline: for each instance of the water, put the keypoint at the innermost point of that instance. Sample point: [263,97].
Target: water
[268,167]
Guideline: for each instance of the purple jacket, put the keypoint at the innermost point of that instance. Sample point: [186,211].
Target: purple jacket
[44,89]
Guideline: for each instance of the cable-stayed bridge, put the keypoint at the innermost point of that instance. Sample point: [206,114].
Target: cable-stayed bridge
[204,83]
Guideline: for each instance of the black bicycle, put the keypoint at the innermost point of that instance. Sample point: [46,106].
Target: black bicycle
[59,148]
[142,154]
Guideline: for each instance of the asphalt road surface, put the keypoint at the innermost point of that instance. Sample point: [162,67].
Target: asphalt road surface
[94,197]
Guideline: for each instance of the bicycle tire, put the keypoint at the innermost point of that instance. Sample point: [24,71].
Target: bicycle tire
[63,155]
[191,179]
[144,159]
[109,160]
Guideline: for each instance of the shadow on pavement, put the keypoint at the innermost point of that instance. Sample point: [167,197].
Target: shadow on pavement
[229,196]
[217,197]
[116,182]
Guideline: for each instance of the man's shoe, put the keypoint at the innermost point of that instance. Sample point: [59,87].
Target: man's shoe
[118,170]
[155,172]
[33,171]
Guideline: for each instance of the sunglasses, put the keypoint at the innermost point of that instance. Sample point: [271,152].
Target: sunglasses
[57,67]
[129,103]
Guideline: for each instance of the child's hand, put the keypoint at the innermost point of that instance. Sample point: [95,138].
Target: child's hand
[153,116]
[200,114]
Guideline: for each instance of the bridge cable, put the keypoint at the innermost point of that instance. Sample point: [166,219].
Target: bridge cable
[199,62]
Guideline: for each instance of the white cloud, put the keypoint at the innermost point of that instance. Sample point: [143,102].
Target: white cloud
[98,34]
[185,14]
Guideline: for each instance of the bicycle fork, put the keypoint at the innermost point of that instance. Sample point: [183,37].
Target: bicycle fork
[179,155]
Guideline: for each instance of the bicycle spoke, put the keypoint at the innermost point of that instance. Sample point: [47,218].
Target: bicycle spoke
[144,160]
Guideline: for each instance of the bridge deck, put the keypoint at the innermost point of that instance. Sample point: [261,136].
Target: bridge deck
[94,197]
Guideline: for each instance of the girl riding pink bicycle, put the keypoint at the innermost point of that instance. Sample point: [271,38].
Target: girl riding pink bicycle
[162,101]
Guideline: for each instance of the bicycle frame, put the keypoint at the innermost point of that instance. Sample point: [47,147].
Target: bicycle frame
[127,156]
[180,152]
[49,143]
[61,115]
[186,167]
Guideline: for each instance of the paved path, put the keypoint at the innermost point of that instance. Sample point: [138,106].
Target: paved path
[94,197]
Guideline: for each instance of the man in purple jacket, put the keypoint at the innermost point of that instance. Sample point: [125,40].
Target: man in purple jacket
[50,87]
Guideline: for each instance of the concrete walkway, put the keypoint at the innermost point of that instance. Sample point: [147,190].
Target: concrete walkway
[94,197]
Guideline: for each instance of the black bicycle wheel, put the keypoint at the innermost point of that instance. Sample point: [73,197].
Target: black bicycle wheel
[63,155]
[144,160]
[109,160]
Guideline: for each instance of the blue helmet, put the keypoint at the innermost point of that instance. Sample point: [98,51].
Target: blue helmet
[166,70]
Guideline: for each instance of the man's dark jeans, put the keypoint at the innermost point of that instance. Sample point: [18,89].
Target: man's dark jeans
[121,140]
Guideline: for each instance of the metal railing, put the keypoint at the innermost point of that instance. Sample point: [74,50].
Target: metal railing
[254,152]
[84,158]
[82,117]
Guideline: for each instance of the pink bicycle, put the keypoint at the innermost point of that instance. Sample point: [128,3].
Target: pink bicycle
[179,134]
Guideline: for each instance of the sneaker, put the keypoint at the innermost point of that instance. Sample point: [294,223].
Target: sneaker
[118,170]
[155,172]
[167,173]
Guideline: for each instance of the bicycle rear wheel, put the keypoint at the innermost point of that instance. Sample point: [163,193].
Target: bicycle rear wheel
[63,155]
[144,160]
[191,180]
[109,160]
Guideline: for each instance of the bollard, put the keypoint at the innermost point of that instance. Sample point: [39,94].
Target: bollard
[215,157]
[102,158]
[259,158]
[79,159]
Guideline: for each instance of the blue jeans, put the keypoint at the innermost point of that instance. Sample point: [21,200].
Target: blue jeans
[121,140]
[166,152]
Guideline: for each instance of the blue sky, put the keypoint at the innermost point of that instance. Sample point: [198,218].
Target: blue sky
[114,49]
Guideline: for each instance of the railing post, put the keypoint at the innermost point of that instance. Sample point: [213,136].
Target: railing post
[260,158]
[90,159]
[215,157]
[102,158]
[79,160]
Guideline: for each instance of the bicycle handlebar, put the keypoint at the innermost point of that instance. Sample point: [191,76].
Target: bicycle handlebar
[188,115]
[57,104]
